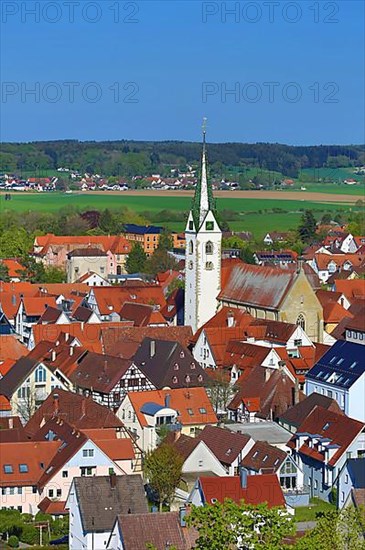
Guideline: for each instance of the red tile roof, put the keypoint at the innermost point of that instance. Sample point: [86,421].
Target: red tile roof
[111,299]
[53,507]
[260,488]
[193,405]
[263,457]
[11,347]
[14,267]
[355,288]
[225,445]
[31,453]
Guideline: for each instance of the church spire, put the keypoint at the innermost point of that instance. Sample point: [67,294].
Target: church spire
[203,199]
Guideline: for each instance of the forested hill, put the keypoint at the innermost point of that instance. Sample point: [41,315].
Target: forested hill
[130,158]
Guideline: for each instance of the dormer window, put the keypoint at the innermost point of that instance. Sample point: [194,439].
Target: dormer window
[192,366]
[174,380]
[176,366]
[182,355]
[187,378]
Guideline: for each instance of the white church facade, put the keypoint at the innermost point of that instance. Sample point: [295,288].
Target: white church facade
[203,254]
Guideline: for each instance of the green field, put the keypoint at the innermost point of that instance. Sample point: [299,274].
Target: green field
[254,215]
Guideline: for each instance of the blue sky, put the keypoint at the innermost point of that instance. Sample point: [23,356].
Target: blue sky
[288,72]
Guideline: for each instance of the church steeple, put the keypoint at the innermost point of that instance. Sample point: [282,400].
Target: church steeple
[203,200]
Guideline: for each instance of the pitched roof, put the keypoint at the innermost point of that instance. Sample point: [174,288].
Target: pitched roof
[75,409]
[257,285]
[341,365]
[168,364]
[264,458]
[14,267]
[53,507]
[50,315]
[354,288]
[35,307]
[16,375]
[36,455]
[141,314]
[260,488]
[111,299]
[99,372]
[193,404]
[11,347]
[115,338]
[298,413]
[160,530]
[100,503]
[322,423]
[225,445]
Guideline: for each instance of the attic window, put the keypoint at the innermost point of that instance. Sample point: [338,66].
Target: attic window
[192,366]
[176,366]
[276,462]
[255,454]
[8,469]
[228,452]
[353,365]
[326,426]
[200,378]
[340,361]
[333,359]
[265,458]
[190,411]
[203,410]
[182,354]
[187,378]
[23,468]
[174,380]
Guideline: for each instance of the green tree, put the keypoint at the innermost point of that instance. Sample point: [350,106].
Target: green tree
[160,261]
[4,273]
[13,541]
[247,255]
[307,227]
[108,222]
[340,530]
[53,275]
[137,259]
[165,241]
[162,468]
[14,243]
[230,526]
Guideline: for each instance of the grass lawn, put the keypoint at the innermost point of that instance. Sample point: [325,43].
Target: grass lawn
[308,513]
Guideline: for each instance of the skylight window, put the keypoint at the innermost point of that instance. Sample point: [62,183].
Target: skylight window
[228,452]
[265,458]
[255,454]
[326,426]
[202,410]
[190,411]
[353,365]
[8,469]
[23,468]
[340,361]
[333,359]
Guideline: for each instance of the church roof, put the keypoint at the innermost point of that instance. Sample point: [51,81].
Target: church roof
[257,285]
[203,201]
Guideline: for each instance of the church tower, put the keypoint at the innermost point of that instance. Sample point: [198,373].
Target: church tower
[203,253]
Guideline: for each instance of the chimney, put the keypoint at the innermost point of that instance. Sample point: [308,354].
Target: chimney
[55,403]
[71,350]
[152,348]
[243,478]
[83,407]
[296,392]
[230,319]
[167,400]
[112,478]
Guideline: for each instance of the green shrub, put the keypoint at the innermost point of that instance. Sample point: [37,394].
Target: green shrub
[13,542]
[30,534]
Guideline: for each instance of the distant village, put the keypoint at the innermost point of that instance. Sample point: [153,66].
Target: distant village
[178,180]
[242,381]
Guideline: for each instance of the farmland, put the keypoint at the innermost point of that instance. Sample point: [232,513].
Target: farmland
[257,212]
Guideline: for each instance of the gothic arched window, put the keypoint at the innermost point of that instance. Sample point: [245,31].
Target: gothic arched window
[191,265]
[209,266]
[209,247]
[191,247]
[301,321]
